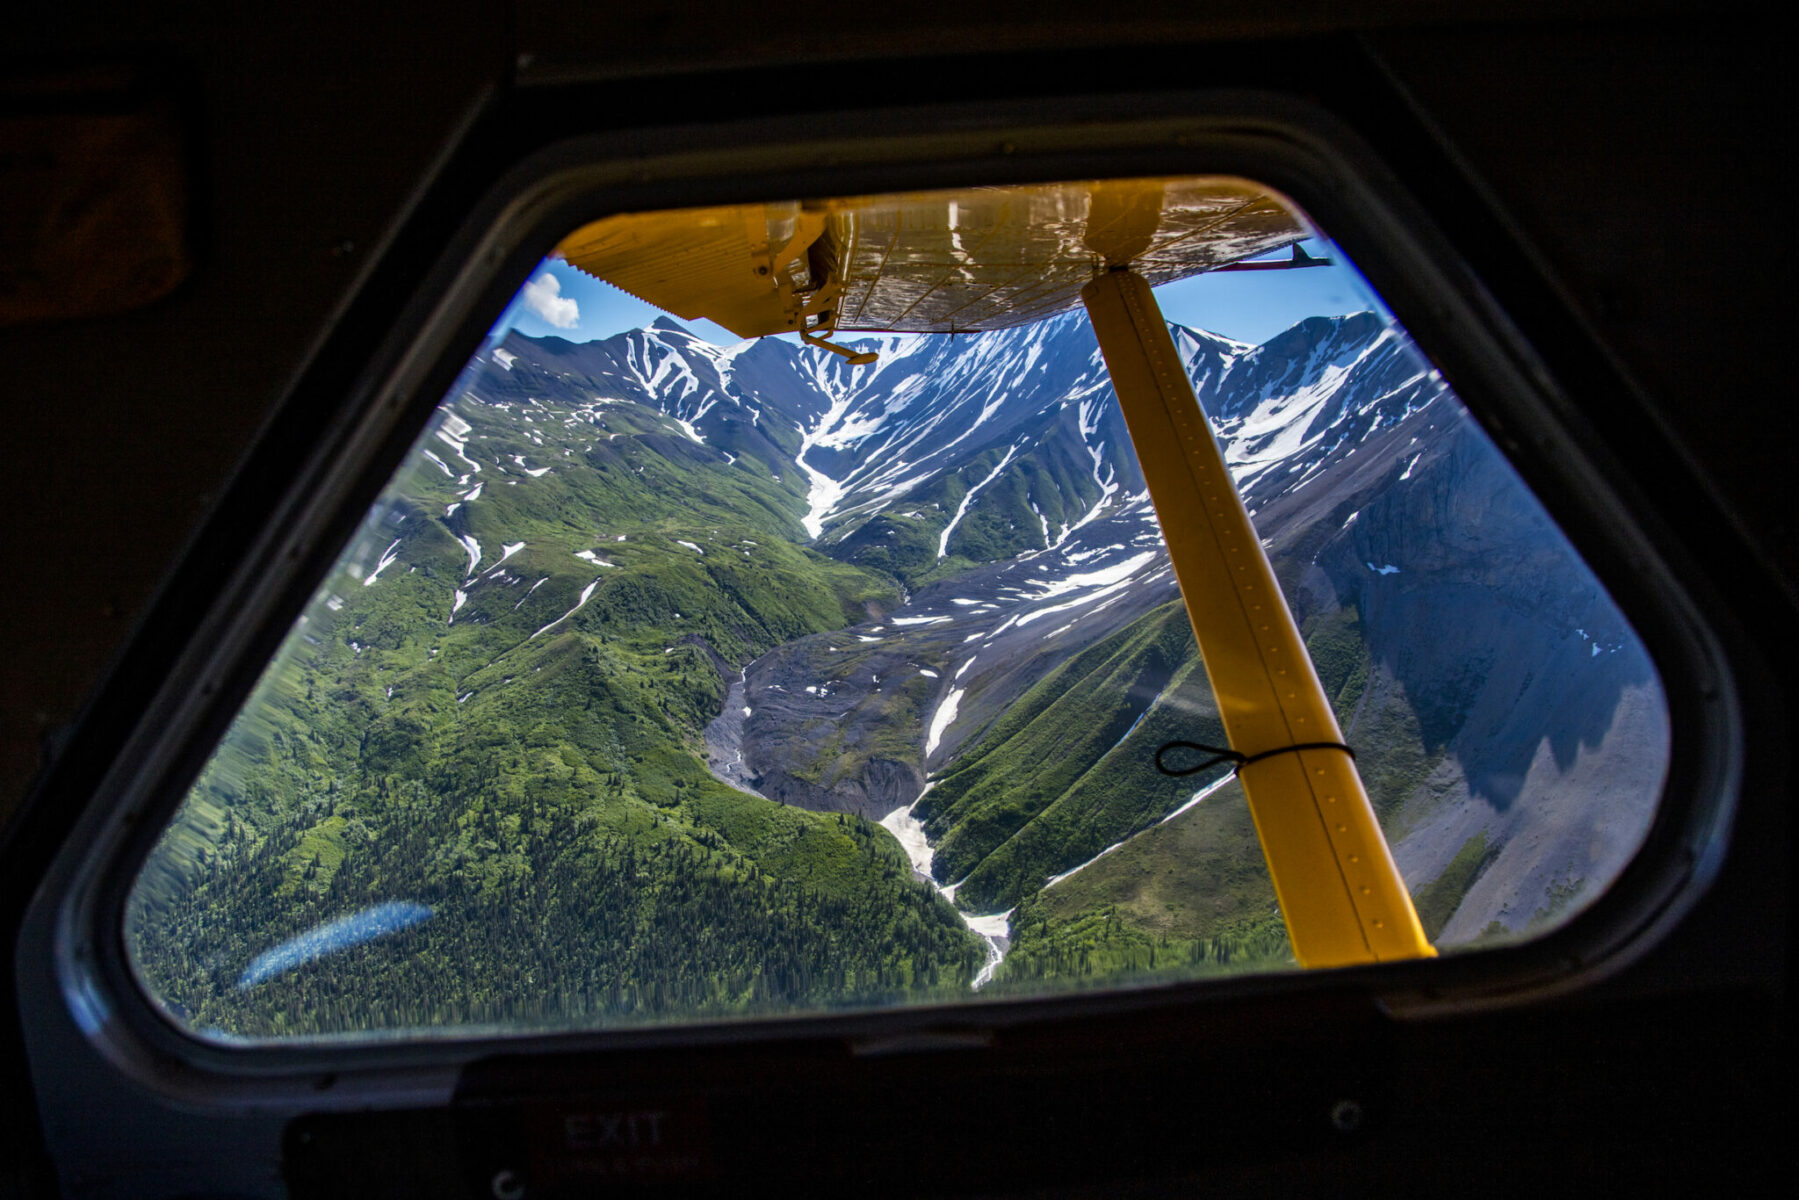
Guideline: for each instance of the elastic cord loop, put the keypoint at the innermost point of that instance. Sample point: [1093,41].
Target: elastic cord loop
[1239,760]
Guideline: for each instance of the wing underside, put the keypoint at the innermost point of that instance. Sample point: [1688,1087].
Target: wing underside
[927,262]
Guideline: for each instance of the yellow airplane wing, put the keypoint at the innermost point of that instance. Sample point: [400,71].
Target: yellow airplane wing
[926,262]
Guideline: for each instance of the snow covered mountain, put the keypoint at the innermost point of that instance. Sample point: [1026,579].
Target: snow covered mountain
[983,446]
[936,421]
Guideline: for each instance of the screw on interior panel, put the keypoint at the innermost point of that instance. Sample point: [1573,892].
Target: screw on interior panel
[1346,1116]
[507,1185]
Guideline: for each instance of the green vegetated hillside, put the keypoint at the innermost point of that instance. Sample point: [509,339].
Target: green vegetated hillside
[529,765]
[1187,898]
[1068,769]
[1068,772]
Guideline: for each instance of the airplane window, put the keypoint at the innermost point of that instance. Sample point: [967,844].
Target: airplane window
[823,649]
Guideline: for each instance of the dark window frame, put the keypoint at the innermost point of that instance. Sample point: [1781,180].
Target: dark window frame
[363,401]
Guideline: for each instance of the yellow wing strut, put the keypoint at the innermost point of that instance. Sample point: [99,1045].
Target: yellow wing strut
[1339,890]
[990,258]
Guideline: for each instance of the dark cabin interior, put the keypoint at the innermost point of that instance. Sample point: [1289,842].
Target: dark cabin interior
[1601,168]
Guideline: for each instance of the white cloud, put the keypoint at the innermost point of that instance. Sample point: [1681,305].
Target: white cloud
[544,297]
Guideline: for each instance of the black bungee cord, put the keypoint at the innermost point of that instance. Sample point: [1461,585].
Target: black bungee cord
[1221,754]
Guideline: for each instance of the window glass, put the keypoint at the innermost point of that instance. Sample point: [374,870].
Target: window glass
[679,677]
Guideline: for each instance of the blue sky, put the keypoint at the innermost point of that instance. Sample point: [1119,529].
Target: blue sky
[1250,306]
